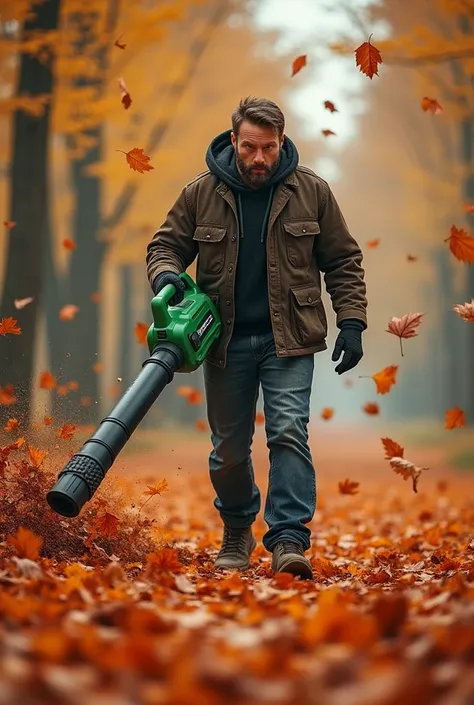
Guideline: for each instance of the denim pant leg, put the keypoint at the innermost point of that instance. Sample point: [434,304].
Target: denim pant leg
[231,396]
[291,497]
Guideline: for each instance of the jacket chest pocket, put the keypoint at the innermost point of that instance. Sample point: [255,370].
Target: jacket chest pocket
[210,239]
[300,240]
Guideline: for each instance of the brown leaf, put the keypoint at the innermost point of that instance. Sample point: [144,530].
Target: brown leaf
[348,487]
[125,97]
[461,245]
[405,327]
[47,381]
[108,524]
[411,258]
[21,303]
[141,330]
[454,418]
[407,470]
[9,223]
[9,326]
[326,133]
[137,160]
[68,312]
[66,432]
[26,543]
[327,413]
[368,57]
[392,449]
[330,106]
[119,44]
[371,408]
[466,311]
[432,105]
[298,64]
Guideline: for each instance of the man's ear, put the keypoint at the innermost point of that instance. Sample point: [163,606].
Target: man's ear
[283,138]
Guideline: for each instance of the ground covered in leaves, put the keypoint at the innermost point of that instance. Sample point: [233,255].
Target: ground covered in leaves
[121,605]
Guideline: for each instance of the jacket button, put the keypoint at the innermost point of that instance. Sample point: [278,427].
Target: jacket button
[304,230]
[227,303]
[234,238]
[231,269]
[228,321]
[309,299]
[208,236]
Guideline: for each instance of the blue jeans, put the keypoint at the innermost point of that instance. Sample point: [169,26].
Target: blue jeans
[231,395]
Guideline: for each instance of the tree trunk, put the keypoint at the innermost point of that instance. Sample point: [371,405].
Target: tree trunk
[28,204]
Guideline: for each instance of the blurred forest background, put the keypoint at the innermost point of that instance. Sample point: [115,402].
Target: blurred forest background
[76,219]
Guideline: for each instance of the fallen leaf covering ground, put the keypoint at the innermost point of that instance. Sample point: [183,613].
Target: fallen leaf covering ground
[121,605]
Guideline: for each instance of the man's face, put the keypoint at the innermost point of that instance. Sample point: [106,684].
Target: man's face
[257,149]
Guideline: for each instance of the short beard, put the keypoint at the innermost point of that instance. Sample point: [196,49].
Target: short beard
[254,179]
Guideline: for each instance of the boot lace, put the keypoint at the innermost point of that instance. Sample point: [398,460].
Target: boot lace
[235,539]
[292,547]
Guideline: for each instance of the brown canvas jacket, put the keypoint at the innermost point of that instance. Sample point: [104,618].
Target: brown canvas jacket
[307,235]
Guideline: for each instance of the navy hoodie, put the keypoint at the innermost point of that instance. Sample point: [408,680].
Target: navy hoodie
[252,312]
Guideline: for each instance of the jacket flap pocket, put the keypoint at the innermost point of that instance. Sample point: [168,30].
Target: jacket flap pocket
[302,227]
[209,233]
[308,295]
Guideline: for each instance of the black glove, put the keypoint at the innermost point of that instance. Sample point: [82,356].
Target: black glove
[348,341]
[170,278]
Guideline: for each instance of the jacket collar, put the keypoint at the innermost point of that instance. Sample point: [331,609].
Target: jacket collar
[290,180]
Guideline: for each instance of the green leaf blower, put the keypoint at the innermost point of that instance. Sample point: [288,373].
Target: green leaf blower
[178,340]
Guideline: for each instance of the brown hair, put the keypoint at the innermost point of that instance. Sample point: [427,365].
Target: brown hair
[258,111]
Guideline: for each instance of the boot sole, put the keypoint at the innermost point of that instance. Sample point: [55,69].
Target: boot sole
[233,566]
[296,566]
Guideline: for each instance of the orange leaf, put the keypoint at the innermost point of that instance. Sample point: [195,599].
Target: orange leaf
[191,394]
[66,431]
[21,303]
[95,297]
[141,330]
[86,400]
[119,44]
[455,418]
[48,420]
[162,486]
[12,425]
[327,413]
[368,58]
[68,312]
[137,160]
[26,543]
[432,105]
[330,106]
[7,395]
[405,327]
[384,379]
[461,244]
[392,449]
[326,133]
[69,244]
[73,385]
[47,381]
[62,390]
[9,326]
[166,559]
[201,425]
[108,524]
[466,311]
[9,223]
[97,367]
[36,456]
[125,98]
[348,487]
[469,208]
[259,417]
[371,408]
[298,64]
[371,244]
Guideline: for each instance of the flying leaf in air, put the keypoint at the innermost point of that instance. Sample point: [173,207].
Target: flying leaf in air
[407,470]
[69,244]
[327,413]
[326,133]
[372,244]
[469,208]
[384,379]
[348,487]
[7,395]
[9,326]
[26,543]
[259,417]
[392,449]
[119,44]
[405,327]
[66,432]
[108,524]
[371,408]
[411,258]
[454,418]
[9,223]
[137,160]
[298,64]
[21,303]
[125,98]
[47,380]
[161,487]
[68,312]
[201,425]
[36,456]
[330,106]
[466,311]
[431,105]
[368,57]
[12,425]
[141,330]
[192,395]
[461,244]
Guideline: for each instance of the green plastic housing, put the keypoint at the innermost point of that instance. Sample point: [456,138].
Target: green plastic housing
[194,324]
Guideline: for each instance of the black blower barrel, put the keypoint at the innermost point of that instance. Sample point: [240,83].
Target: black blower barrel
[84,472]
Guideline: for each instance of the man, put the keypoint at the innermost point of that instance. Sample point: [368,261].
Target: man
[263,229]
